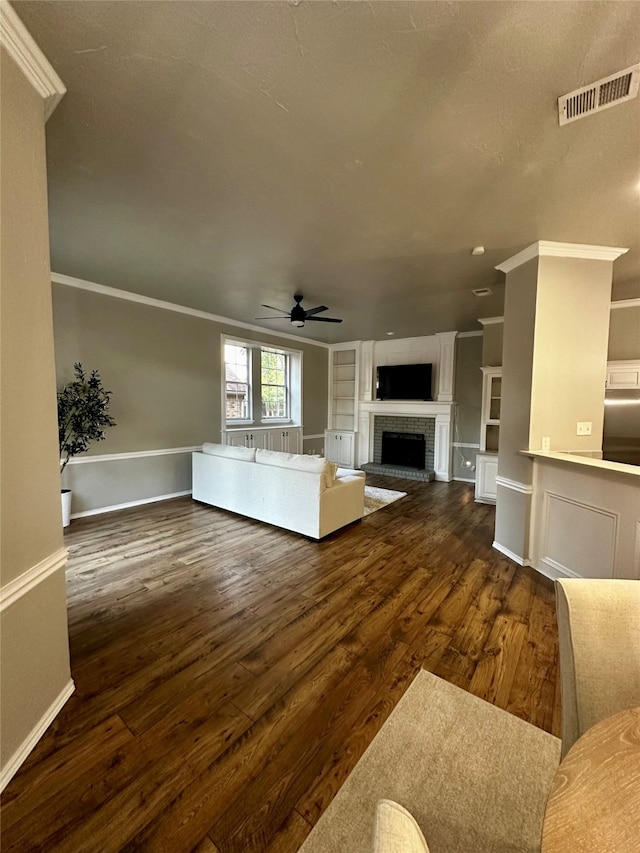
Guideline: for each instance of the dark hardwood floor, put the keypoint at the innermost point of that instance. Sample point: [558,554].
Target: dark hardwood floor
[229,674]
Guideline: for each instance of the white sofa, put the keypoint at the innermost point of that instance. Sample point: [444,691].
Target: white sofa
[306,494]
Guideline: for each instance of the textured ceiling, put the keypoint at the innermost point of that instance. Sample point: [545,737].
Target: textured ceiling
[226,154]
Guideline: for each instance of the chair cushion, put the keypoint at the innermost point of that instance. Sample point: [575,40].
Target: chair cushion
[246,454]
[396,830]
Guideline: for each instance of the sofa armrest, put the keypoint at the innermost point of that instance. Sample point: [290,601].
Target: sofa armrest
[599,638]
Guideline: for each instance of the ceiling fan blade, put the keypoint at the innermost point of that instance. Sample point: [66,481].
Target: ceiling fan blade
[324,319]
[273,308]
[316,310]
[284,317]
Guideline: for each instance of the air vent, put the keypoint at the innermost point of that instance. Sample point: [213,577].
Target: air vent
[482,291]
[607,92]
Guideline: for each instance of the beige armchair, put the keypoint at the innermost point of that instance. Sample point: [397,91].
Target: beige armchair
[599,636]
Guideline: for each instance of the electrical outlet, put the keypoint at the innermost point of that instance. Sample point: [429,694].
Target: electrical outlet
[546,442]
[583,428]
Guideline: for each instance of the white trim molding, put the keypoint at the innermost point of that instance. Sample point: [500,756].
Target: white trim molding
[490,321]
[30,59]
[523,488]
[130,504]
[129,296]
[134,454]
[521,561]
[28,580]
[20,755]
[626,303]
[470,334]
[465,444]
[312,437]
[548,248]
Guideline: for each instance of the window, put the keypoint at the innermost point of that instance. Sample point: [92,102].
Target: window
[236,370]
[274,369]
[262,384]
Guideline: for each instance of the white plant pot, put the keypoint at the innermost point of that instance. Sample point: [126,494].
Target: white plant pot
[66,507]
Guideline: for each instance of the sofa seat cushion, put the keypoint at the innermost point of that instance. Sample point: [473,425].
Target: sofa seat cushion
[396,830]
[350,472]
[246,454]
[300,462]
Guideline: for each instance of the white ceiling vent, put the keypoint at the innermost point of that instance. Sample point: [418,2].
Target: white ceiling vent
[598,96]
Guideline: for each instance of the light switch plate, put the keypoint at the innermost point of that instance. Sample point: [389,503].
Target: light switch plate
[583,428]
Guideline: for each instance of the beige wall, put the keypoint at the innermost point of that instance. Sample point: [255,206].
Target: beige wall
[492,334]
[35,653]
[164,369]
[624,333]
[518,349]
[468,397]
[570,360]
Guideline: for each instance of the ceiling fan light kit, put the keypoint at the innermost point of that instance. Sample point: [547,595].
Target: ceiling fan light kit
[298,316]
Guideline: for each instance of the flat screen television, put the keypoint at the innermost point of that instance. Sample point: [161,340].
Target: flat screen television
[403,382]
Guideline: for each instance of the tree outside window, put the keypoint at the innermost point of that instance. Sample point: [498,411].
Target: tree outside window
[236,364]
[274,374]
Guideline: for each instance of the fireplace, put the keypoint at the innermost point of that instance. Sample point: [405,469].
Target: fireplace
[403,448]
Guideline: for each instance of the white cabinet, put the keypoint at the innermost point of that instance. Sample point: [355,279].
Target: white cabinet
[339,447]
[623,374]
[339,444]
[490,409]
[486,472]
[487,459]
[286,440]
[246,438]
[343,386]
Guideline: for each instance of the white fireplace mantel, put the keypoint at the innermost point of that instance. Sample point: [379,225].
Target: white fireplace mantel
[442,412]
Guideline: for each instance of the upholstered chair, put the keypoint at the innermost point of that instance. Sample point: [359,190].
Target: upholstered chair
[599,635]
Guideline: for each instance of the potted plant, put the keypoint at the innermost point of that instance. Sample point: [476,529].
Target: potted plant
[82,418]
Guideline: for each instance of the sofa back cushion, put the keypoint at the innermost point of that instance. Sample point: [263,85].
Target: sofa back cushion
[246,454]
[300,462]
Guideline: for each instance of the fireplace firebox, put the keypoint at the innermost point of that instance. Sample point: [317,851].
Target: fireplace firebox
[403,448]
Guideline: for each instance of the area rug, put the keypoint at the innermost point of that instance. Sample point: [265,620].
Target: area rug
[475,777]
[375,499]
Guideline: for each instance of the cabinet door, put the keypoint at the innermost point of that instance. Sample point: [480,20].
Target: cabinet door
[486,472]
[285,440]
[346,450]
[339,448]
[236,438]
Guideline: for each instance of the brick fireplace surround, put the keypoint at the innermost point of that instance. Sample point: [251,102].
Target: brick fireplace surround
[432,419]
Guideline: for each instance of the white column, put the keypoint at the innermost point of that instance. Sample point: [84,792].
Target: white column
[446,366]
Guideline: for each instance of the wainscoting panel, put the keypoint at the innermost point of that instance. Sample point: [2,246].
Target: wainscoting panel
[584,521]
[128,479]
[578,537]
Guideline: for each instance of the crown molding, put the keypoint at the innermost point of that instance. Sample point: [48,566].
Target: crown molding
[547,248]
[104,290]
[490,321]
[30,59]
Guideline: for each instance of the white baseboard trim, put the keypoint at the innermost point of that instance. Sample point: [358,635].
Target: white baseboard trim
[129,504]
[552,569]
[464,480]
[521,561]
[25,582]
[19,756]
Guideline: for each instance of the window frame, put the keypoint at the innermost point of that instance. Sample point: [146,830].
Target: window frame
[255,417]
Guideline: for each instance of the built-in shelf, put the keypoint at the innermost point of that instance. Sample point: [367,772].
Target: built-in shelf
[487,458]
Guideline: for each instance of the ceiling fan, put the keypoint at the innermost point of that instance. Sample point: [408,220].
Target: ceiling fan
[298,316]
